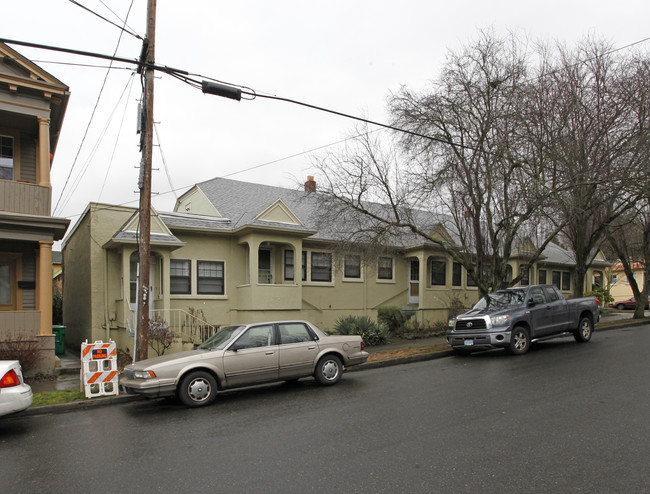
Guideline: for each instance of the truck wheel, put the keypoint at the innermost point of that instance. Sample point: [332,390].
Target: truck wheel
[519,341]
[583,332]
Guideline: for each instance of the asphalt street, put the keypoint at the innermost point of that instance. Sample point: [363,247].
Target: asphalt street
[566,417]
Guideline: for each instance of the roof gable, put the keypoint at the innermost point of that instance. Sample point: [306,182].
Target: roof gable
[279,212]
[194,201]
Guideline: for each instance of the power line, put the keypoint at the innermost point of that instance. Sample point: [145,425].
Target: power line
[128,31]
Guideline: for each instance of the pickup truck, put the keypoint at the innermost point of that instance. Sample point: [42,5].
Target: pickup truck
[516,317]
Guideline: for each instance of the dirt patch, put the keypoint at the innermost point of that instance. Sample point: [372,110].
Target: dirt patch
[407,352]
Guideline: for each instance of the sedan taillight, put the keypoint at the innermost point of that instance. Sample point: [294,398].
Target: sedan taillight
[362,345]
[9,380]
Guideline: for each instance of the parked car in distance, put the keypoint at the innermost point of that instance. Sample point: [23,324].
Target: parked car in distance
[514,318]
[630,303]
[245,355]
[15,394]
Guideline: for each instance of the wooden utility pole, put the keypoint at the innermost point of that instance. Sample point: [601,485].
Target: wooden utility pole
[144,294]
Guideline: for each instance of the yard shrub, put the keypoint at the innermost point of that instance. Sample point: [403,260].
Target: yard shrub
[160,336]
[371,332]
[456,306]
[392,317]
[24,350]
[414,329]
[602,294]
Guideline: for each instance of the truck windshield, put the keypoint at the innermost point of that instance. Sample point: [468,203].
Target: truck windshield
[501,300]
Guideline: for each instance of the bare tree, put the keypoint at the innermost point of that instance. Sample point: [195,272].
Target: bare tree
[587,106]
[476,175]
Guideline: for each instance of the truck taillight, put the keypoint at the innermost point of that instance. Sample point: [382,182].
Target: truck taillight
[597,302]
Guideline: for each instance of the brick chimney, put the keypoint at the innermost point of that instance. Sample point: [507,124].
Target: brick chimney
[310,184]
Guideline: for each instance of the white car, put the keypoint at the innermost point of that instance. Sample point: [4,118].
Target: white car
[15,395]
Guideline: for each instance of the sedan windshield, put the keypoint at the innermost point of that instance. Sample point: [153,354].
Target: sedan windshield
[222,338]
[501,300]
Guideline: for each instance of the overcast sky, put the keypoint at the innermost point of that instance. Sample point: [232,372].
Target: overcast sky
[345,55]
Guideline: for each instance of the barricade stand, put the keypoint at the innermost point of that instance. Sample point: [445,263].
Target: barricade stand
[99,368]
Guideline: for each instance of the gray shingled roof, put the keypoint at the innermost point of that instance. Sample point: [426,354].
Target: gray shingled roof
[243,201]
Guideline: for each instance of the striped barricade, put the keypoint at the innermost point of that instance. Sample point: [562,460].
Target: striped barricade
[99,368]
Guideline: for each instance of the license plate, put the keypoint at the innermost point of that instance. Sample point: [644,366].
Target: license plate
[468,342]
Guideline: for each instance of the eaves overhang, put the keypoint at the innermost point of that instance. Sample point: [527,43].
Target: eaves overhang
[155,240]
[49,226]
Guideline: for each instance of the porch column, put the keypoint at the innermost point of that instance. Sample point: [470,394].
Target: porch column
[45,285]
[44,152]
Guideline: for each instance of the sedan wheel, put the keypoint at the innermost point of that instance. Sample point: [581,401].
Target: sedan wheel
[328,370]
[197,389]
[519,341]
[584,331]
[620,307]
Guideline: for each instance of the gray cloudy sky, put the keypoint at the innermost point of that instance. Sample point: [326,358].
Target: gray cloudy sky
[345,55]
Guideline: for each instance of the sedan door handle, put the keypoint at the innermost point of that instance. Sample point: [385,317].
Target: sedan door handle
[270,352]
[311,347]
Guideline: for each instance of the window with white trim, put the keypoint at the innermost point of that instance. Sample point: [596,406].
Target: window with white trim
[321,266]
[288,265]
[210,278]
[385,268]
[180,276]
[352,266]
[438,273]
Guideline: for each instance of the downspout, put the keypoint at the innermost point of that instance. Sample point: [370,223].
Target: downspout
[107,321]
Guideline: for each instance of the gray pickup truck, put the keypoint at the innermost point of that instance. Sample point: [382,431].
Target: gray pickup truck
[516,317]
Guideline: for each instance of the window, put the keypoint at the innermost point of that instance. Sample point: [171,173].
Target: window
[321,266]
[5,284]
[6,158]
[551,293]
[255,337]
[294,333]
[304,265]
[541,277]
[566,280]
[352,266]
[180,280]
[557,278]
[438,273]
[385,268]
[288,265]
[614,279]
[525,277]
[537,295]
[210,277]
[457,274]
[470,280]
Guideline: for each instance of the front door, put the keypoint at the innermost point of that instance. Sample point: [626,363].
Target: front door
[134,284]
[414,282]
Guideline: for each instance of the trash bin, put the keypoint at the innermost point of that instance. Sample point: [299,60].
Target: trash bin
[59,339]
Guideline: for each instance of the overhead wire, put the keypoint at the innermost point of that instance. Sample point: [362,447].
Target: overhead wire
[162,156]
[110,162]
[92,116]
[123,28]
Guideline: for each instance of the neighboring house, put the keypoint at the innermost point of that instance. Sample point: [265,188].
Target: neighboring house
[32,106]
[619,285]
[57,272]
[235,251]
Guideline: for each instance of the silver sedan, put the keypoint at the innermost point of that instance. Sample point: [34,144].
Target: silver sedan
[244,355]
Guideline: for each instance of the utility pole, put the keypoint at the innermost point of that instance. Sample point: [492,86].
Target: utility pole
[144,294]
